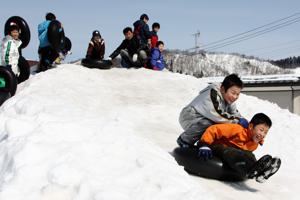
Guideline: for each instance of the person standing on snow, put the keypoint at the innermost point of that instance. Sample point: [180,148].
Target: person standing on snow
[131,51]
[96,48]
[141,30]
[10,49]
[47,54]
[154,36]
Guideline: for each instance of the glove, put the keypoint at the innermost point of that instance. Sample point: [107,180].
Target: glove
[243,122]
[61,56]
[205,152]
[134,57]
[109,59]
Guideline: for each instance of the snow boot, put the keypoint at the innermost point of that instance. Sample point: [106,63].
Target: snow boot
[182,143]
[260,166]
[267,173]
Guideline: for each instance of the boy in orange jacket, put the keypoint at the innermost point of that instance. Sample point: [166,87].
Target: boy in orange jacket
[234,145]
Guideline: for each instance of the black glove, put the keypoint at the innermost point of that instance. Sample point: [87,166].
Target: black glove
[205,152]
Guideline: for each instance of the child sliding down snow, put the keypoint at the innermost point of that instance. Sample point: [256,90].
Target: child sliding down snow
[234,145]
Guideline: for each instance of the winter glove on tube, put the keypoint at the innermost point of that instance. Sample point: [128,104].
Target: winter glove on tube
[205,152]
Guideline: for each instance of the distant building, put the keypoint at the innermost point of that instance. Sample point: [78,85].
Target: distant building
[284,90]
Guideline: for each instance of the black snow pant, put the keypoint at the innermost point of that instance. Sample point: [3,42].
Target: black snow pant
[127,59]
[238,160]
[47,57]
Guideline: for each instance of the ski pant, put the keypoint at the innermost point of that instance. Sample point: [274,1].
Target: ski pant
[127,59]
[239,160]
[47,57]
[193,124]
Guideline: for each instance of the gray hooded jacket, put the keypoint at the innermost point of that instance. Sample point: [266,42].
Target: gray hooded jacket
[206,109]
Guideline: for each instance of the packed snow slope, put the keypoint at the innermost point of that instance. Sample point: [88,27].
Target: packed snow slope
[78,133]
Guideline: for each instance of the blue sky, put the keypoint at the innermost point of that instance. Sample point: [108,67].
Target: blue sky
[215,19]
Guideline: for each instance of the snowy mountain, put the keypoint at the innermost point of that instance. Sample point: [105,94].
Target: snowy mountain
[79,133]
[218,64]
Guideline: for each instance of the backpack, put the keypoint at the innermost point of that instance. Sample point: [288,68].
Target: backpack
[137,30]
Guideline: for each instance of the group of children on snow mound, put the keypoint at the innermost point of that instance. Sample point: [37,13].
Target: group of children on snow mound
[10,47]
[211,122]
[213,126]
[140,48]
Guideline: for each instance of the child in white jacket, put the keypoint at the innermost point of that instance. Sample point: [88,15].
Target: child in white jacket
[10,49]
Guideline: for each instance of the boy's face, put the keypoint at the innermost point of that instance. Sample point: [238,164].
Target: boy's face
[161,47]
[145,20]
[156,29]
[97,38]
[128,35]
[14,34]
[232,94]
[259,132]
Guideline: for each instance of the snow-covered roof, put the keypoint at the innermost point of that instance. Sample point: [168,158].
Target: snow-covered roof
[264,80]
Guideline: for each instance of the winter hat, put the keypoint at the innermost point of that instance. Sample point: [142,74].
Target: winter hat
[96,33]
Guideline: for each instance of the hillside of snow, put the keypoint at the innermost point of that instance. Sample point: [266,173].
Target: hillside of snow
[78,133]
[219,64]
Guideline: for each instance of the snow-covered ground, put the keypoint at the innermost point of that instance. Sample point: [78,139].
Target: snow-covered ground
[78,133]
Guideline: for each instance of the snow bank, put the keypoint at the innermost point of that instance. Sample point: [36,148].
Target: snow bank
[78,133]
[69,133]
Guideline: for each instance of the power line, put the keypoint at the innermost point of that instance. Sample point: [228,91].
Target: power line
[276,21]
[252,35]
[236,36]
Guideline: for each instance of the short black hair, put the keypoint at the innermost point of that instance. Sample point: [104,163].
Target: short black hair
[232,80]
[126,30]
[159,43]
[50,16]
[144,16]
[261,118]
[13,27]
[155,25]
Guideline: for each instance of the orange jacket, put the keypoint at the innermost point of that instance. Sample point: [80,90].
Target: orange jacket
[231,135]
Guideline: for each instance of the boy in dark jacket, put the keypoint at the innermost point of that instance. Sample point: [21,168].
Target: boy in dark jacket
[141,30]
[131,51]
[96,48]
[157,60]
[154,36]
[234,145]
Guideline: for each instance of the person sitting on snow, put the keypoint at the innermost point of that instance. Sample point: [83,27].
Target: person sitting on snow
[10,49]
[157,60]
[131,51]
[214,104]
[96,48]
[234,145]
[154,36]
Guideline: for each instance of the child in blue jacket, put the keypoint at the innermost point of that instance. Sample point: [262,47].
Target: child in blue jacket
[157,59]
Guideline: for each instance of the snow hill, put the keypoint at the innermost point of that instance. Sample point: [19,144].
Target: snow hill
[219,64]
[78,133]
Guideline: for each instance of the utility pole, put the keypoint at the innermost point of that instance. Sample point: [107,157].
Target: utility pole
[196,36]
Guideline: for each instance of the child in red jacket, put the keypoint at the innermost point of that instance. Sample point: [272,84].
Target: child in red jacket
[154,36]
